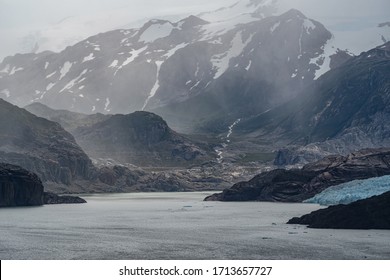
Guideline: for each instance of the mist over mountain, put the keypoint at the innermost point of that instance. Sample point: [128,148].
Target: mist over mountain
[164,67]
[345,110]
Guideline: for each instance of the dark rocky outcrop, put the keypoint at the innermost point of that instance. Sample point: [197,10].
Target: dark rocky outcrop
[18,187]
[52,198]
[296,185]
[370,213]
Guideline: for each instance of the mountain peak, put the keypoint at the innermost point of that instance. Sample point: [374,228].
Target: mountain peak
[192,21]
[295,13]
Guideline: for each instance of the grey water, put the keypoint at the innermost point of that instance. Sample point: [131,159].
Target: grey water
[177,226]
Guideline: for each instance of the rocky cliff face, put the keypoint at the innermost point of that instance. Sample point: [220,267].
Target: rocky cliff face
[370,213]
[297,185]
[142,139]
[42,147]
[18,187]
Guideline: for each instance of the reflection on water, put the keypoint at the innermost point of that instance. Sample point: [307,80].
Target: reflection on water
[176,226]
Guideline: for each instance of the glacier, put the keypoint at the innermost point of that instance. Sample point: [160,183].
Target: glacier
[352,191]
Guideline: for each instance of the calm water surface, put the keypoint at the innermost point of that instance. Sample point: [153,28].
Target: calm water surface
[177,226]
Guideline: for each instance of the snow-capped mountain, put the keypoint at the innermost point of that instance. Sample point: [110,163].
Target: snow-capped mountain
[165,63]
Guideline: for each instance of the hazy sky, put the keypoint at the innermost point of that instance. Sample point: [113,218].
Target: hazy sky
[19,18]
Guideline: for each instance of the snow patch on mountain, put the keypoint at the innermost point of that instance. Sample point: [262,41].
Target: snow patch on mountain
[156,85]
[323,59]
[65,69]
[6,92]
[5,69]
[273,27]
[308,25]
[238,9]
[73,82]
[107,104]
[89,57]
[221,61]
[114,64]
[352,191]
[50,86]
[134,54]
[14,70]
[174,50]
[249,65]
[51,74]
[156,31]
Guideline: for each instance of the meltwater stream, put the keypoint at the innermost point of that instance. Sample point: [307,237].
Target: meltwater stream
[177,226]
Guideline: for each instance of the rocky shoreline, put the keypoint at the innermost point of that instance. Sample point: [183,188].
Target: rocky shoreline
[370,213]
[297,185]
[19,187]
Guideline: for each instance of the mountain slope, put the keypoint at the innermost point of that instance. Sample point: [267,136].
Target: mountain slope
[164,64]
[41,146]
[346,109]
[140,138]
[67,119]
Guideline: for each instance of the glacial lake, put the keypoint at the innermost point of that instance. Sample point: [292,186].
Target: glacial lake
[177,226]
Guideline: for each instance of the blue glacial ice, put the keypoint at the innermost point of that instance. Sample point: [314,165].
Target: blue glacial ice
[352,191]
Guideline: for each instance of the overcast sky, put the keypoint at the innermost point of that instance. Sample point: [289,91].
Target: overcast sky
[19,18]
